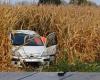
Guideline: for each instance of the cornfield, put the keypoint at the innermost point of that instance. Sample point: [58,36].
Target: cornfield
[77,29]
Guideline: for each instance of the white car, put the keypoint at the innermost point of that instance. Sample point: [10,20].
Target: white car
[27,47]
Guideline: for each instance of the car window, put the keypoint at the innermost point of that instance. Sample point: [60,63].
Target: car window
[17,39]
[26,40]
[33,41]
[51,39]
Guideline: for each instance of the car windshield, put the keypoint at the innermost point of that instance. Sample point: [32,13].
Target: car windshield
[26,40]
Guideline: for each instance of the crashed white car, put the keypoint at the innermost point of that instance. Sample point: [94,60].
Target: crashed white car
[25,48]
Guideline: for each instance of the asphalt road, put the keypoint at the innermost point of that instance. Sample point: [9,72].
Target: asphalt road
[49,76]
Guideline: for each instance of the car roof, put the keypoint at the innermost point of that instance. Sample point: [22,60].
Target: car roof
[25,32]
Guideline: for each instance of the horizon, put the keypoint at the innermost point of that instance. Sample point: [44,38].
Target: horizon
[36,1]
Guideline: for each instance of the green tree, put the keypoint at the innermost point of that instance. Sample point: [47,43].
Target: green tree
[57,2]
[78,2]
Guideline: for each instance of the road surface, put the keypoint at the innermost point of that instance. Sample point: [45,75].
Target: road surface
[49,76]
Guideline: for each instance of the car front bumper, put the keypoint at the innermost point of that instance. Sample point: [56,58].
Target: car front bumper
[36,60]
[33,59]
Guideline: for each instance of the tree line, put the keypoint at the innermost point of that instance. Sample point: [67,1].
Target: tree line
[58,2]
[55,2]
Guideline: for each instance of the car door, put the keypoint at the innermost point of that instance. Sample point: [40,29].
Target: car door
[51,43]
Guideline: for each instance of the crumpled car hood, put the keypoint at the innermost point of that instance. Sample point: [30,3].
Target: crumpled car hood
[29,50]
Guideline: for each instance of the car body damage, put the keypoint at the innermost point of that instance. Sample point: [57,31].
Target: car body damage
[27,47]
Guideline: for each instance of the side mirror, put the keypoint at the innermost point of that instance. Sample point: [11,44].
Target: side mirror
[51,39]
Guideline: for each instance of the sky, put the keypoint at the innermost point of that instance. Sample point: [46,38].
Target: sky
[13,1]
[97,1]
